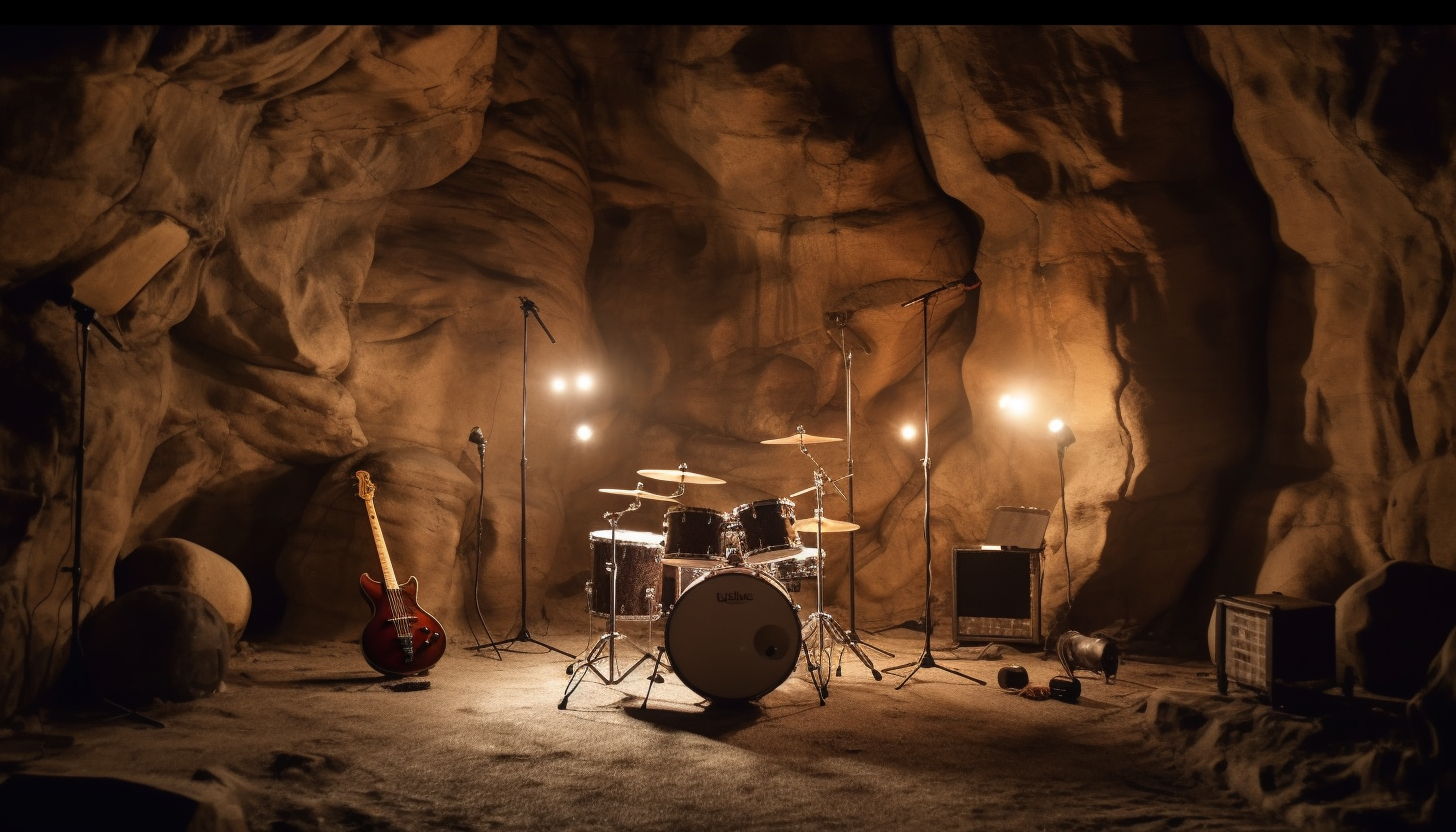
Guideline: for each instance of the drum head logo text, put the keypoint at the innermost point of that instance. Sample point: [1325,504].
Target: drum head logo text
[734,597]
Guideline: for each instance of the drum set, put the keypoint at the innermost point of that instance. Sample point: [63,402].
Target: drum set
[722,582]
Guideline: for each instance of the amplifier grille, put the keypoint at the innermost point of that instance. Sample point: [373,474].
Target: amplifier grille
[1247,651]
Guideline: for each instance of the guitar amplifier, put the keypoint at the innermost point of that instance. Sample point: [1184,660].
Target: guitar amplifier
[998,584]
[1275,645]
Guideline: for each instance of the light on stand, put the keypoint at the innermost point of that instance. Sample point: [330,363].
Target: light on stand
[1063,433]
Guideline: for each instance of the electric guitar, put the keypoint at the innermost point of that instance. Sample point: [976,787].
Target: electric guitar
[400,639]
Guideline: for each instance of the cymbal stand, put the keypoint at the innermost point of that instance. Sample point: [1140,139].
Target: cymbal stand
[926,658]
[608,641]
[821,625]
[842,319]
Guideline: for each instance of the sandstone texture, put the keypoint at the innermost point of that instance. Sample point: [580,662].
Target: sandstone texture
[1223,254]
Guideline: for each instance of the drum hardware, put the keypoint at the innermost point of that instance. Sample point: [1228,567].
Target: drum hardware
[608,641]
[841,320]
[966,283]
[528,311]
[821,628]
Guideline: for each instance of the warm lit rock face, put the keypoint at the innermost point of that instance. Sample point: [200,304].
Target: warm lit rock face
[1222,254]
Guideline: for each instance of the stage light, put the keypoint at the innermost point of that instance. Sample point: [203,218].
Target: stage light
[1016,404]
[1063,433]
[584,382]
[583,432]
[558,385]
[908,432]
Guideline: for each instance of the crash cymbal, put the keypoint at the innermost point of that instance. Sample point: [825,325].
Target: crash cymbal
[811,524]
[679,475]
[806,438]
[639,493]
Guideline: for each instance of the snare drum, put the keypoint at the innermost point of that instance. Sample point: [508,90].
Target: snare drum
[791,571]
[693,536]
[733,635]
[639,575]
[768,531]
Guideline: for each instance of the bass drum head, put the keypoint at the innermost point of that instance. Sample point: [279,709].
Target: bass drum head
[733,635]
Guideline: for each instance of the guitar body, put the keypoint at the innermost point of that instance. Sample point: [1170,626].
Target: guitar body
[400,639]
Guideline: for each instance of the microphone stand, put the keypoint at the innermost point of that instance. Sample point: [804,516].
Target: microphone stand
[842,319]
[85,319]
[479,441]
[528,310]
[926,658]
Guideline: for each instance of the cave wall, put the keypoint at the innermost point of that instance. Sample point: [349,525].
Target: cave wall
[1221,253]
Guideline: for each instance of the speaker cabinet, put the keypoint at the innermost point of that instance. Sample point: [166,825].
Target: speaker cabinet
[1275,645]
[997,595]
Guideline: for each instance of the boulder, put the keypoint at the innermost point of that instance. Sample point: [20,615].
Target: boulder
[171,561]
[156,642]
[1390,624]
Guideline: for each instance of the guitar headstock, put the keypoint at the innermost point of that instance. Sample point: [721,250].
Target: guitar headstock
[366,487]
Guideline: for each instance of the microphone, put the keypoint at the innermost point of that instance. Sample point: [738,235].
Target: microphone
[476,437]
[965,283]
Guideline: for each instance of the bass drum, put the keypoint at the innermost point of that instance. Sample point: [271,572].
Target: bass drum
[733,635]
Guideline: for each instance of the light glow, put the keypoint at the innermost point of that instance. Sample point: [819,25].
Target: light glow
[584,382]
[583,432]
[1056,425]
[908,432]
[1017,404]
[558,385]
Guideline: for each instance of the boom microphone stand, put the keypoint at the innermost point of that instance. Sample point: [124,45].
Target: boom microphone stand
[841,319]
[967,283]
[528,310]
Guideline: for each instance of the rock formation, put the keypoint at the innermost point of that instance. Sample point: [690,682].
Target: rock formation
[1222,254]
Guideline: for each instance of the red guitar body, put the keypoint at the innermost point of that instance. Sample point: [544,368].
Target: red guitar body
[400,639]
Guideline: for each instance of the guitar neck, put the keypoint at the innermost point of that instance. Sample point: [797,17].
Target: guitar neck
[384,565]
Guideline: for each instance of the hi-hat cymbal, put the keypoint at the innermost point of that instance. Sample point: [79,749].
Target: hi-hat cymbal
[812,524]
[806,438]
[639,493]
[678,475]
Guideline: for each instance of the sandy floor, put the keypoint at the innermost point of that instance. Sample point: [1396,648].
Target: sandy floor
[307,737]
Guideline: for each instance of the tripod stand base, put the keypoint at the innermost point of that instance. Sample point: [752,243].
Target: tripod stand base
[855,639]
[821,624]
[522,637]
[927,660]
[588,663]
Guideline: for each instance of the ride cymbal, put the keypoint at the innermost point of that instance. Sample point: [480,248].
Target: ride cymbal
[806,438]
[639,493]
[812,524]
[679,475]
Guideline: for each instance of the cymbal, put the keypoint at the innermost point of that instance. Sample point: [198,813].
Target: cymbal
[812,524]
[639,493]
[677,475]
[807,439]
